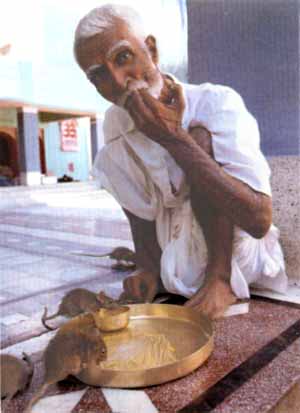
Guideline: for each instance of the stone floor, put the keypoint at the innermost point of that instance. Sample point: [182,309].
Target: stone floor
[256,359]
[38,243]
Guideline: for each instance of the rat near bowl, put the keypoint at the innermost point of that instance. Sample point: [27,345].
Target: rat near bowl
[112,319]
[75,302]
[75,345]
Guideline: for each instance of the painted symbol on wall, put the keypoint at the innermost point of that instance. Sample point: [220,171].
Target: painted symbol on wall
[69,135]
[71,167]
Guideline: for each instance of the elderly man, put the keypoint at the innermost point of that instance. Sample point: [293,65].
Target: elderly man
[184,163]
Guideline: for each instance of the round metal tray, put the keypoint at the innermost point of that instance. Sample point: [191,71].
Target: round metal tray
[161,343]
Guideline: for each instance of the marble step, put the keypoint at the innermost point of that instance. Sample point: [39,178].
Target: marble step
[67,187]
[24,196]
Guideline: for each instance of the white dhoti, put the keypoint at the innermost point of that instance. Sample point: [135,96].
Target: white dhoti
[146,180]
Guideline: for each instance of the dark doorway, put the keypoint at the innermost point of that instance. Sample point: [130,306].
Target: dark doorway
[9,168]
[9,152]
[42,152]
[4,151]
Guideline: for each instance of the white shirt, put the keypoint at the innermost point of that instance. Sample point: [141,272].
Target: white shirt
[140,174]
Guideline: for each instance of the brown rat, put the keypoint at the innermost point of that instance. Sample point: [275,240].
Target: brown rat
[74,346]
[75,302]
[125,257]
[15,374]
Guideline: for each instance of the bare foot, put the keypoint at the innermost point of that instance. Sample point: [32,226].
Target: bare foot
[213,298]
[142,287]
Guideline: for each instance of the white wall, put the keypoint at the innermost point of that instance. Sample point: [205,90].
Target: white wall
[41,67]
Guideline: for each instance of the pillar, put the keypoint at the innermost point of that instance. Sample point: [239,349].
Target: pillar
[97,137]
[29,154]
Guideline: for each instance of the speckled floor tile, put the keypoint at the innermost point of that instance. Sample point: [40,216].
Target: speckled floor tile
[267,387]
[236,339]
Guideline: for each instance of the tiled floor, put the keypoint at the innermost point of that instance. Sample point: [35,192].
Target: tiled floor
[37,266]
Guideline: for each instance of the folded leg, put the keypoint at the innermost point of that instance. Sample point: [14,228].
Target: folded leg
[214,297]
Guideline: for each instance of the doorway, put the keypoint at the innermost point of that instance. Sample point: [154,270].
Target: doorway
[9,153]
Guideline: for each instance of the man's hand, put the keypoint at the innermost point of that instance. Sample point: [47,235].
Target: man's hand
[141,288]
[158,120]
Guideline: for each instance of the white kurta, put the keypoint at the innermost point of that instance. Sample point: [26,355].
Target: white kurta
[140,174]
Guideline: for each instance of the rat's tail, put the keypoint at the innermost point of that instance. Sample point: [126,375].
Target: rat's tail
[91,255]
[29,362]
[45,318]
[36,397]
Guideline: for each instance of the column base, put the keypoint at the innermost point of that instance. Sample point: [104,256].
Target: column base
[30,178]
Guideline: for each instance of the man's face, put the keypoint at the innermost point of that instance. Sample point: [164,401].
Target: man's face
[116,62]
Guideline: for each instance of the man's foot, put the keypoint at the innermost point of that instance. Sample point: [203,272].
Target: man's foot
[213,298]
[142,287]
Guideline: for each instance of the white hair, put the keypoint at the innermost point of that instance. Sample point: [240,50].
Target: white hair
[105,18]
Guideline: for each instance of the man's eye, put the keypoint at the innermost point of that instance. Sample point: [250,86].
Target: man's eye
[123,57]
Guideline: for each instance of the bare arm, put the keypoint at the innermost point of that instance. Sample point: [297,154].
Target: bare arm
[250,210]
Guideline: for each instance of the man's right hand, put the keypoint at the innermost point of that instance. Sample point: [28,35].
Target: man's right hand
[141,288]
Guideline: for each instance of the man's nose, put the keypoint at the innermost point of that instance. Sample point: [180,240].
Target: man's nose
[119,78]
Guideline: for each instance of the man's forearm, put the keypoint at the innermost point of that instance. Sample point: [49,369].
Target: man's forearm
[148,252]
[243,206]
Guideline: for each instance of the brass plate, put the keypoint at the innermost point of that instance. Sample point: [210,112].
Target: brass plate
[161,343]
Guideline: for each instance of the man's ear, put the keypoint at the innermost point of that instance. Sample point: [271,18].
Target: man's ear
[151,44]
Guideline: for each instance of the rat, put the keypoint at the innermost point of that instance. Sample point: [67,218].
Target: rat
[125,257]
[15,374]
[72,349]
[75,302]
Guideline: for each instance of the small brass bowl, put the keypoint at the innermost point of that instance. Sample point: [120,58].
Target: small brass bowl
[112,319]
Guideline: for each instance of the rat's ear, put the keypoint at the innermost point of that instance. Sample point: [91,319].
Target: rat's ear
[101,297]
[152,47]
